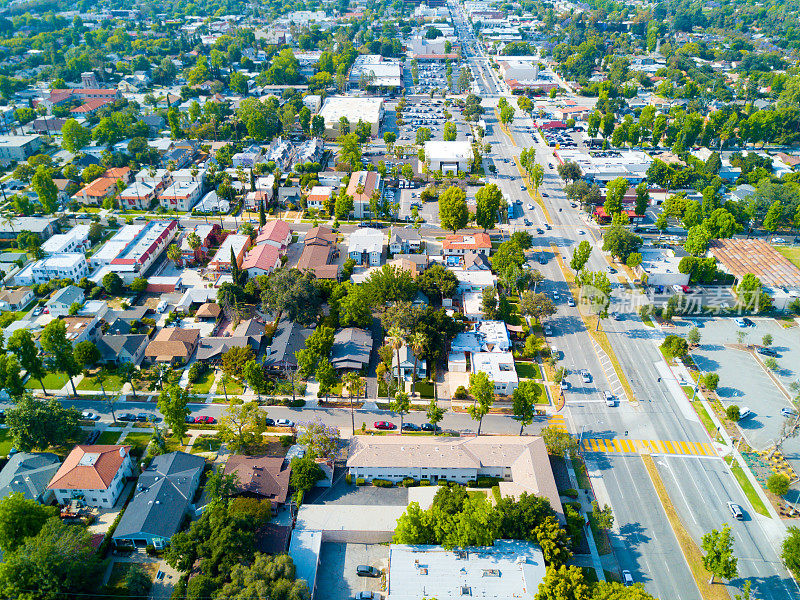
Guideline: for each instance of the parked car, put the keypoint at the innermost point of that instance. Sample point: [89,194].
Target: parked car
[539,230]
[205,419]
[126,417]
[365,595]
[367,571]
[609,398]
[410,427]
[548,330]
[384,425]
[284,423]
[430,427]
[189,419]
[530,206]
[142,417]
[269,422]
[570,301]
[37,311]
[90,416]
[586,376]
[627,578]
[767,351]
[745,413]
[564,385]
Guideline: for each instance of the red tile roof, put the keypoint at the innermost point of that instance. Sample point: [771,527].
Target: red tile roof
[264,256]
[274,231]
[474,241]
[89,468]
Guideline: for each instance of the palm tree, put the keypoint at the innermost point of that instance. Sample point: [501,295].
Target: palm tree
[353,382]
[126,373]
[417,342]
[194,242]
[174,253]
[396,338]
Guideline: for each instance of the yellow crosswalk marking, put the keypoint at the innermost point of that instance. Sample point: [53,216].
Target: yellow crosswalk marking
[624,445]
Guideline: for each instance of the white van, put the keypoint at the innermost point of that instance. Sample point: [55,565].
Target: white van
[162,306]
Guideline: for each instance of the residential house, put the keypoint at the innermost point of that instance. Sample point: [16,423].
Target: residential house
[477,262]
[28,473]
[403,240]
[122,348]
[222,259]
[208,233]
[208,311]
[181,195]
[139,195]
[211,349]
[96,191]
[499,367]
[75,240]
[15,299]
[254,200]
[366,246]
[173,345]
[261,260]
[361,187]
[63,299]
[248,158]
[319,253]
[407,364]
[289,337]
[44,226]
[275,233]
[318,197]
[180,157]
[263,477]
[163,499]
[351,349]
[81,328]
[462,245]
[94,475]
[413,263]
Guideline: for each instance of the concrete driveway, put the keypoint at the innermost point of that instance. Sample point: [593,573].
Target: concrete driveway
[337,579]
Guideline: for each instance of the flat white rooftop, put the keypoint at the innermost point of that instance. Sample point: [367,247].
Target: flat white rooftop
[508,570]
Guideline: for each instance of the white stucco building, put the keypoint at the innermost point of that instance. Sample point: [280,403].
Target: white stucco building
[449,157]
[93,474]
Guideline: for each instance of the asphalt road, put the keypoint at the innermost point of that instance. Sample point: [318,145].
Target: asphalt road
[700,487]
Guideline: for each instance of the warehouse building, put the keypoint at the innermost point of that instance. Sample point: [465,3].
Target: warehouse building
[368,110]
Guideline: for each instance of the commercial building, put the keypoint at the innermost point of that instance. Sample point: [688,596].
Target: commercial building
[602,167]
[367,110]
[521,463]
[17,148]
[373,71]
[525,73]
[507,569]
[449,157]
[94,475]
[661,267]
[181,195]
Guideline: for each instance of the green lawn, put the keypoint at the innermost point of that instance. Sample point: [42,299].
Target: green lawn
[748,489]
[108,438]
[112,383]
[790,252]
[424,389]
[647,321]
[5,442]
[541,396]
[138,440]
[52,381]
[231,386]
[203,385]
[206,443]
[528,370]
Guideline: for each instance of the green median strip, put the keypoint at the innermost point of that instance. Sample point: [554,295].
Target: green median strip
[747,487]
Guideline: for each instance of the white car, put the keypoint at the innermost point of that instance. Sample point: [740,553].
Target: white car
[548,330]
[90,416]
[284,423]
[627,578]
[530,206]
[581,232]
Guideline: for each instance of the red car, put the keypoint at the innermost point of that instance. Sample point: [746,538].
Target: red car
[384,425]
[203,419]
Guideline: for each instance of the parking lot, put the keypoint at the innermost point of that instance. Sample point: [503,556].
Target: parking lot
[337,579]
[743,381]
[430,113]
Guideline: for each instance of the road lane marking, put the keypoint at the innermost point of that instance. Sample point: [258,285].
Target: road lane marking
[656,447]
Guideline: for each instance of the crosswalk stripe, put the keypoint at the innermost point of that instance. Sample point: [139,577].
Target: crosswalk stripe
[624,445]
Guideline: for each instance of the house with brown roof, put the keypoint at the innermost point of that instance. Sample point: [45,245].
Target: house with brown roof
[360,188]
[261,477]
[93,474]
[209,311]
[319,253]
[96,191]
[462,245]
[15,299]
[173,345]
[275,233]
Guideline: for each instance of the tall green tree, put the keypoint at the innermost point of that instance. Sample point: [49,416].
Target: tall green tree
[524,403]
[173,402]
[401,404]
[482,390]
[719,559]
[580,256]
[59,562]
[487,206]
[54,341]
[21,518]
[74,136]
[46,190]
[615,192]
[39,424]
[434,413]
[453,212]
[21,343]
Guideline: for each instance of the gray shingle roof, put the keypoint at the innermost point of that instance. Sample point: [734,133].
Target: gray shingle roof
[68,295]
[351,348]
[28,473]
[111,346]
[163,495]
[288,339]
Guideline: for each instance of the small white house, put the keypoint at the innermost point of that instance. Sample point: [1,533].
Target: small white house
[366,246]
[499,367]
[407,364]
